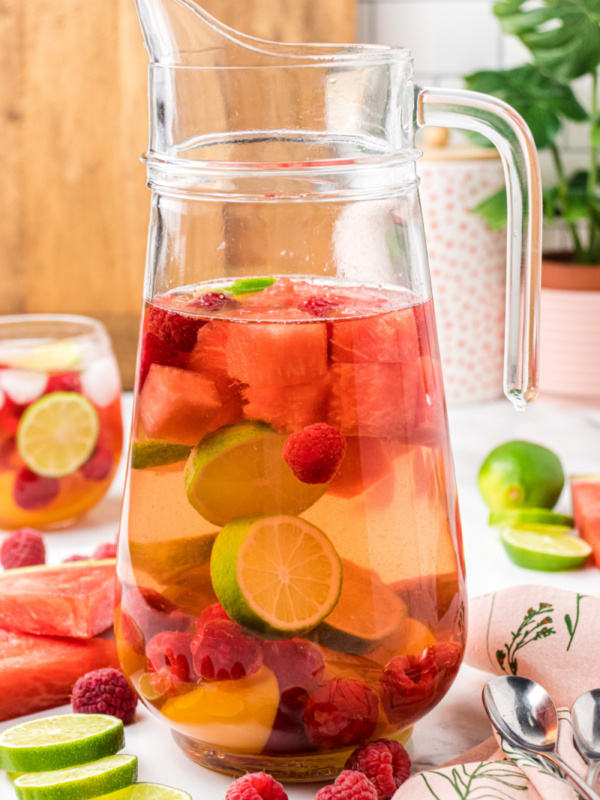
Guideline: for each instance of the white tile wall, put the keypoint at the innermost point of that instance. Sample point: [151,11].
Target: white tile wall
[450,38]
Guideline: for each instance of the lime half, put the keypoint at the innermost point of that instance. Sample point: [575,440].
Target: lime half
[78,783]
[532,519]
[62,741]
[239,470]
[56,356]
[545,552]
[147,791]
[520,475]
[57,434]
[276,575]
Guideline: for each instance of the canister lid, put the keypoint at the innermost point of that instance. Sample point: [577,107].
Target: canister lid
[437,148]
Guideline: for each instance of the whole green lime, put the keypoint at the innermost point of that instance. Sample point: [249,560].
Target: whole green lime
[521,475]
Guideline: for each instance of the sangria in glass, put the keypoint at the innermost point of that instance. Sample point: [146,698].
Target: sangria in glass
[61,428]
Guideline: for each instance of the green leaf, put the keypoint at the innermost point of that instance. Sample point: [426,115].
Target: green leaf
[493,210]
[541,100]
[249,285]
[563,35]
[595,132]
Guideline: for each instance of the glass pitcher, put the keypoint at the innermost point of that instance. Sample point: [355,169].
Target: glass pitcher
[291,577]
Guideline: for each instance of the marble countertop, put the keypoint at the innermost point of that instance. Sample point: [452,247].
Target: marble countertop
[458,723]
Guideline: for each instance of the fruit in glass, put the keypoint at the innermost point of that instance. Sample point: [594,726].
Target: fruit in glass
[290,584]
[61,429]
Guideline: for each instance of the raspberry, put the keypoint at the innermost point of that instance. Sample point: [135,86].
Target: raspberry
[318,306]
[348,786]
[104,691]
[210,613]
[314,454]
[341,713]
[106,550]
[10,415]
[149,613]
[170,661]
[298,666]
[99,465]
[65,382]
[445,655]
[155,351]
[256,786]
[384,762]
[213,301]
[23,548]
[407,685]
[31,491]
[173,328]
[223,651]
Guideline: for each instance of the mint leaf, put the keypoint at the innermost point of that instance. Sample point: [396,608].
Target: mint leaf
[493,210]
[563,35]
[249,285]
[541,100]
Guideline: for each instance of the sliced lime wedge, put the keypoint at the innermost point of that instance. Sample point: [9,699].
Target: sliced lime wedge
[61,741]
[147,791]
[57,434]
[57,356]
[152,454]
[539,519]
[545,552]
[79,783]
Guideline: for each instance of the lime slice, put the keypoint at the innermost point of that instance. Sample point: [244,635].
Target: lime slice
[532,519]
[548,553]
[57,434]
[78,783]
[58,742]
[57,356]
[249,286]
[152,454]
[239,470]
[277,575]
[520,475]
[147,791]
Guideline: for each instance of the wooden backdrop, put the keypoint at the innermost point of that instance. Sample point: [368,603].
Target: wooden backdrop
[73,122]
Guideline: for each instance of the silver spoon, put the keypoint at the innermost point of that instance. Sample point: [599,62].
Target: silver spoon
[585,716]
[523,713]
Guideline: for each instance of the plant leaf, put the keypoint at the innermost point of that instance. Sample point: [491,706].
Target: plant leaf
[493,210]
[563,35]
[540,99]
[595,132]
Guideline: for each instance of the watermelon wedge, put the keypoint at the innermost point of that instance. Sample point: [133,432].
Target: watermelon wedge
[74,599]
[585,490]
[38,672]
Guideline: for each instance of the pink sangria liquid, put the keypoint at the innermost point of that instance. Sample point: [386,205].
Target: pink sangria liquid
[290,563]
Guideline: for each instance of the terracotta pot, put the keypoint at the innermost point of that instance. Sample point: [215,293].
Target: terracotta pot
[570,331]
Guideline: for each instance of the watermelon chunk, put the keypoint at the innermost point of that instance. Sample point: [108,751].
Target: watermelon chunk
[74,599]
[585,491]
[367,461]
[386,339]
[38,672]
[178,405]
[288,408]
[277,354]
[208,358]
[377,400]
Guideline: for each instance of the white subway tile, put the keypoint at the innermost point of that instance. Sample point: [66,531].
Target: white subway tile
[445,37]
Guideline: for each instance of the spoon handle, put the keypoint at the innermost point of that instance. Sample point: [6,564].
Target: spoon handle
[592,775]
[580,785]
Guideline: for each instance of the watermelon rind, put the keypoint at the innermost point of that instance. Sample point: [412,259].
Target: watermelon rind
[58,742]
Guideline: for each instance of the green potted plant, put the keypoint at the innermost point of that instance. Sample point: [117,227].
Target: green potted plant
[563,40]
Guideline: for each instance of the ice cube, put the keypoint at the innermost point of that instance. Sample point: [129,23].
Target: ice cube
[22,385]
[101,381]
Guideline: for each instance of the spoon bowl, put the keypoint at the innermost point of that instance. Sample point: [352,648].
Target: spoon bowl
[585,716]
[522,712]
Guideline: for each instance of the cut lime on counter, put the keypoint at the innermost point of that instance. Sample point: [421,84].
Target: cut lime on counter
[278,575]
[57,434]
[520,475]
[147,791]
[239,470]
[152,454]
[79,783]
[545,552]
[61,741]
[532,519]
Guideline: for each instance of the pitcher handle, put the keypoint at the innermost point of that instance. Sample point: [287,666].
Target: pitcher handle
[506,129]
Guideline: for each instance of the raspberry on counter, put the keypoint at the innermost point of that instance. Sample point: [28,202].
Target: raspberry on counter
[348,786]
[384,762]
[23,548]
[256,786]
[104,691]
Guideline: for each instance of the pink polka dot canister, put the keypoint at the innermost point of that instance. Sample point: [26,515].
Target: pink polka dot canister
[468,268]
